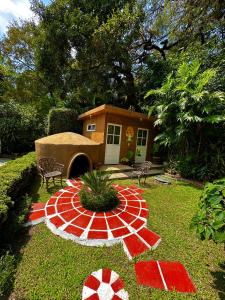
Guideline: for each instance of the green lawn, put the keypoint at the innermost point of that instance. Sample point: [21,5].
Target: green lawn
[53,268]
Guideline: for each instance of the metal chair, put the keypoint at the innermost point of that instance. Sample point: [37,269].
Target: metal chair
[49,168]
[142,171]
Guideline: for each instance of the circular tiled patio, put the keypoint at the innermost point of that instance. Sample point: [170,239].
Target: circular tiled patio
[66,217]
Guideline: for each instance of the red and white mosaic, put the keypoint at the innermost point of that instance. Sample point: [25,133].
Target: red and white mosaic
[66,217]
[104,284]
[164,275]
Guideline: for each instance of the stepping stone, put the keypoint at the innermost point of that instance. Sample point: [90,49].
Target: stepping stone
[140,242]
[164,275]
[36,214]
[162,180]
[104,284]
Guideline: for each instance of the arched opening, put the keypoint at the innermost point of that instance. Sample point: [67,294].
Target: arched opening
[80,164]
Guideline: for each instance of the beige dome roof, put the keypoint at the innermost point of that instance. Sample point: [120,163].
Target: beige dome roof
[66,138]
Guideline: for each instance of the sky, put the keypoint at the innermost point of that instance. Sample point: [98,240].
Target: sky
[11,10]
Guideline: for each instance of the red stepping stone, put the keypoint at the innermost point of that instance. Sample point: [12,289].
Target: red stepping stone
[35,217]
[103,235]
[134,246]
[150,237]
[164,275]
[104,284]
[37,206]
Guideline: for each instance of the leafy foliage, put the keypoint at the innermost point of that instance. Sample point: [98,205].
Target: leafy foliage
[19,127]
[15,179]
[7,272]
[98,193]
[63,120]
[192,119]
[209,221]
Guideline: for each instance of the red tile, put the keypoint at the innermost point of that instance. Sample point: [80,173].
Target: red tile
[93,297]
[133,210]
[114,222]
[109,214]
[106,275]
[144,205]
[82,221]
[36,215]
[120,232]
[38,206]
[64,207]
[69,215]
[134,203]
[52,201]
[74,230]
[127,217]
[81,209]
[99,224]
[103,235]
[176,277]
[115,297]
[117,285]
[50,210]
[76,204]
[56,221]
[137,224]
[66,194]
[99,214]
[144,213]
[134,245]
[89,212]
[92,282]
[149,236]
[64,200]
[147,273]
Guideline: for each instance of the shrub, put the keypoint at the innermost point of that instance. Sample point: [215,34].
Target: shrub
[15,180]
[209,221]
[19,127]
[63,120]
[97,193]
[7,271]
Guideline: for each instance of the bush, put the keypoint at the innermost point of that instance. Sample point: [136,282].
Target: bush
[209,221]
[63,120]
[19,127]
[7,271]
[97,193]
[15,180]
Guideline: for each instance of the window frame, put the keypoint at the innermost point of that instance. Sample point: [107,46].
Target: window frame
[91,129]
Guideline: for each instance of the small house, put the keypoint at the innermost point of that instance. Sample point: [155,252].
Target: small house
[119,131]
[109,134]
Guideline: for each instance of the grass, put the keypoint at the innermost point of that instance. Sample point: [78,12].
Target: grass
[54,268]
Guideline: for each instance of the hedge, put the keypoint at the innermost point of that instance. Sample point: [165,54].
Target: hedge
[15,179]
[63,120]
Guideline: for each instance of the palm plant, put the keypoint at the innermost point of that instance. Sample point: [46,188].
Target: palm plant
[98,193]
[188,109]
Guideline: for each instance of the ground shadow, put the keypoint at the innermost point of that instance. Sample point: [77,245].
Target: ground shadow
[219,280]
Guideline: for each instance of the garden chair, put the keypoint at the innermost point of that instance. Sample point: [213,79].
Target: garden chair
[142,171]
[49,168]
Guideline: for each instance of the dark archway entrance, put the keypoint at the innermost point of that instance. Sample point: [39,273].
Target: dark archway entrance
[79,166]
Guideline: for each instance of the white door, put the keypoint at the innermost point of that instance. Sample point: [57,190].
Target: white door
[141,145]
[112,147]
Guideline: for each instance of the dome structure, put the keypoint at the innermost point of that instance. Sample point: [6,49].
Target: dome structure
[76,152]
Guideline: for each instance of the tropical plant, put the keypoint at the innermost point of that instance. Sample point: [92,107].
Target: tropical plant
[129,158]
[209,221]
[97,193]
[189,112]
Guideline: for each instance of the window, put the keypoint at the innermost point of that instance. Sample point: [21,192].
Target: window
[91,127]
[142,137]
[113,134]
